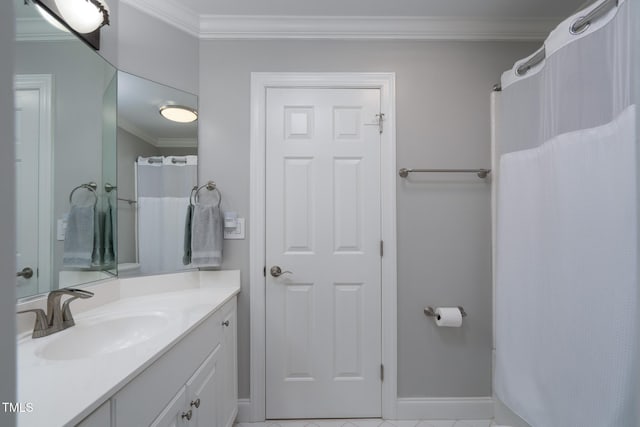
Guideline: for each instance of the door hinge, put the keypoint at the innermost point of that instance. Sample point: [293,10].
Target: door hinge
[380,121]
[381,372]
[264,271]
[381,247]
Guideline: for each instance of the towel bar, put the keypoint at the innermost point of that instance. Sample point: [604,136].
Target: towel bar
[482,173]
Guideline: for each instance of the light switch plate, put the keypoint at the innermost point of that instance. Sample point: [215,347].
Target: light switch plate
[235,233]
[61,229]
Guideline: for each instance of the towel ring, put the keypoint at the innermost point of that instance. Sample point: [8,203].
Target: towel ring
[92,186]
[195,188]
[209,186]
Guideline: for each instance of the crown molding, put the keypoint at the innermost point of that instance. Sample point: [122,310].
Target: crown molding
[37,29]
[373,28]
[171,12]
[129,127]
[243,27]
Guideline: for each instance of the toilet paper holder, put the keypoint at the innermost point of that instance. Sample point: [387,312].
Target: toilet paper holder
[429,311]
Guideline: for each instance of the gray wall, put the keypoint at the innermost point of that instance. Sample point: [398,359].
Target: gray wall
[8,223]
[444,222]
[79,81]
[152,49]
[129,148]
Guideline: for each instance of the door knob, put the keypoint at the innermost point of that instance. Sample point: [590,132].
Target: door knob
[26,272]
[276,271]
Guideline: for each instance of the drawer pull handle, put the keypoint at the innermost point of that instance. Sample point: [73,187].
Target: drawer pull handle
[225,323]
[187,415]
[195,403]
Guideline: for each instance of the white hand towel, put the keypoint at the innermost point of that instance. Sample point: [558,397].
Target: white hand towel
[207,236]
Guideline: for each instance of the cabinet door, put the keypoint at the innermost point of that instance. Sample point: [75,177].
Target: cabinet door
[101,417]
[176,413]
[202,392]
[228,370]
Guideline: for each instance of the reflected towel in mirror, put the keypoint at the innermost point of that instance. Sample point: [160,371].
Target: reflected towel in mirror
[79,242]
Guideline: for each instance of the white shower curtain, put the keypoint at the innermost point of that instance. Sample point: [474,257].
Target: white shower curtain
[163,187]
[566,242]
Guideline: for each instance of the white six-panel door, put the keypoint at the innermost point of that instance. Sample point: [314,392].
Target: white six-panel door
[323,319]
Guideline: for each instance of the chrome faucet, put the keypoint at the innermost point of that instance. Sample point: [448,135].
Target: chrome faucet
[58,317]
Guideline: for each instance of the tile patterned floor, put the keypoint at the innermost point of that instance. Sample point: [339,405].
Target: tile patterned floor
[367,423]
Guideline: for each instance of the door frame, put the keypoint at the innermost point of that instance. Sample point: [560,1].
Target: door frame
[43,83]
[260,82]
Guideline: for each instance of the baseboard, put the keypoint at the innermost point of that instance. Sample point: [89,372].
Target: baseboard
[462,408]
[244,411]
[504,415]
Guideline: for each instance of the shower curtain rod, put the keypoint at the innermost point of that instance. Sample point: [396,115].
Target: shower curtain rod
[578,27]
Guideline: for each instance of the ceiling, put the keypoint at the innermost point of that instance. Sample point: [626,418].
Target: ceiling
[432,8]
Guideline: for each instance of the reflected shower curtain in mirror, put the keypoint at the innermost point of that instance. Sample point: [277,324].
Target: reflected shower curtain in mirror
[566,230]
[163,188]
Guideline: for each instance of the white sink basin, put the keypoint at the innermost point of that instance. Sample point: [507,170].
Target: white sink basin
[101,335]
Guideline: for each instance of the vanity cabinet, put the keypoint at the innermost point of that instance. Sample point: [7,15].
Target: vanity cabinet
[193,384]
[196,403]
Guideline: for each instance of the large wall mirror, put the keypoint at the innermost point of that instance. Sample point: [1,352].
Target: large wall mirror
[65,158]
[103,179]
[157,169]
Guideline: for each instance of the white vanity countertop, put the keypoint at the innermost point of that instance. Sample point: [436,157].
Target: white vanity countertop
[63,392]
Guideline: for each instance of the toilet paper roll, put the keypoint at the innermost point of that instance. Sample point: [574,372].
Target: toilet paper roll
[448,317]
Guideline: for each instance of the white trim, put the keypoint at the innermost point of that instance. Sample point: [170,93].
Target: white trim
[373,28]
[259,83]
[44,84]
[169,11]
[207,27]
[461,408]
[134,130]
[495,166]
[244,411]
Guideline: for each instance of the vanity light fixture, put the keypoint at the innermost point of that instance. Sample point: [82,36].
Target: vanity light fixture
[50,19]
[179,113]
[84,16]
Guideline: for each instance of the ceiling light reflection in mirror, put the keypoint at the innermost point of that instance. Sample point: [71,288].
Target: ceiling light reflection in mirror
[179,113]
